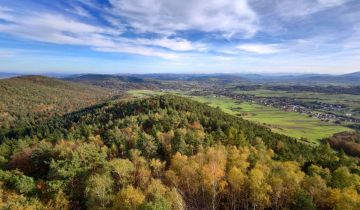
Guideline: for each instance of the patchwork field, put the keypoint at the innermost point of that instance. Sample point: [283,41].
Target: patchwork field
[352,101]
[289,123]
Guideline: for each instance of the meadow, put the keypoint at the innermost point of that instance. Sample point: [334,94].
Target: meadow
[143,93]
[288,123]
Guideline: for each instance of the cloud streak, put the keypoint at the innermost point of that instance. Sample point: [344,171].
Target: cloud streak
[55,28]
[261,48]
[302,8]
[227,17]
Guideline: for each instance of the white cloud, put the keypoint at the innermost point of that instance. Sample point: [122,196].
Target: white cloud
[55,28]
[227,17]
[60,23]
[261,48]
[6,53]
[331,3]
[51,28]
[138,50]
[5,14]
[5,9]
[161,28]
[298,8]
[59,30]
[78,10]
[176,44]
[353,42]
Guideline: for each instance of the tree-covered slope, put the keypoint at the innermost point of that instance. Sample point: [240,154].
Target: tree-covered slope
[29,98]
[115,82]
[178,113]
[168,152]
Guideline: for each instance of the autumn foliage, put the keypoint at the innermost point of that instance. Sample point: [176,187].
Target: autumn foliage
[168,152]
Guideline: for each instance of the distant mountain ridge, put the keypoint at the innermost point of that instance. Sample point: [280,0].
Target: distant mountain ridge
[115,82]
[190,77]
[97,77]
[124,80]
[350,79]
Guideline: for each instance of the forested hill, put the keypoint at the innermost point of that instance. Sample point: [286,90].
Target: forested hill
[165,114]
[29,98]
[115,82]
[168,152]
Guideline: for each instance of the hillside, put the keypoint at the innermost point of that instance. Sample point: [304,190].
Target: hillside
[194,77]
[151,81]
[168,152]
[30,98]
[114,82]
[185,82]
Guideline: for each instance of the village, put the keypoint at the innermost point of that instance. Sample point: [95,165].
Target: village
[323,111]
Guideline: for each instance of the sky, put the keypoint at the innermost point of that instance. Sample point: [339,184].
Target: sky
[180,36]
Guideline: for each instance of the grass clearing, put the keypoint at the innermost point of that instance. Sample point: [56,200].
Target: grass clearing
[147,93]
[143,93]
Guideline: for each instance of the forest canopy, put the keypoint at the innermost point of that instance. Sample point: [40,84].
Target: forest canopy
[168,152]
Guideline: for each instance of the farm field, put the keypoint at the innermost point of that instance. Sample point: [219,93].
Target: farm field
[353,101]
[288,123]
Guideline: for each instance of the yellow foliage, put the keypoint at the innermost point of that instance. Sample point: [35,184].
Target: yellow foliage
[347,198]
[129,198]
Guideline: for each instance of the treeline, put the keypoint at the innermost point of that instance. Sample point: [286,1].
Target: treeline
[168,152]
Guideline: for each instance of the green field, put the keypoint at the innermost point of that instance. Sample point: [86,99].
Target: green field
[288,123]
[143,93]
[352,101]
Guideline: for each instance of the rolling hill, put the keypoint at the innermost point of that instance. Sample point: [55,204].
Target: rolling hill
[31,98]
[171,153]
[151,81]
[192,77]
[102,114]
[325,79]
[114,82]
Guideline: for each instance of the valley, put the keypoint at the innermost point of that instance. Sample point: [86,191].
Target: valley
[289,122]
[180,105]
[308,113]
[156,135]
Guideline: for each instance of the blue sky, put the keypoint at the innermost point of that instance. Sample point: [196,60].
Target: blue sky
[180,36]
